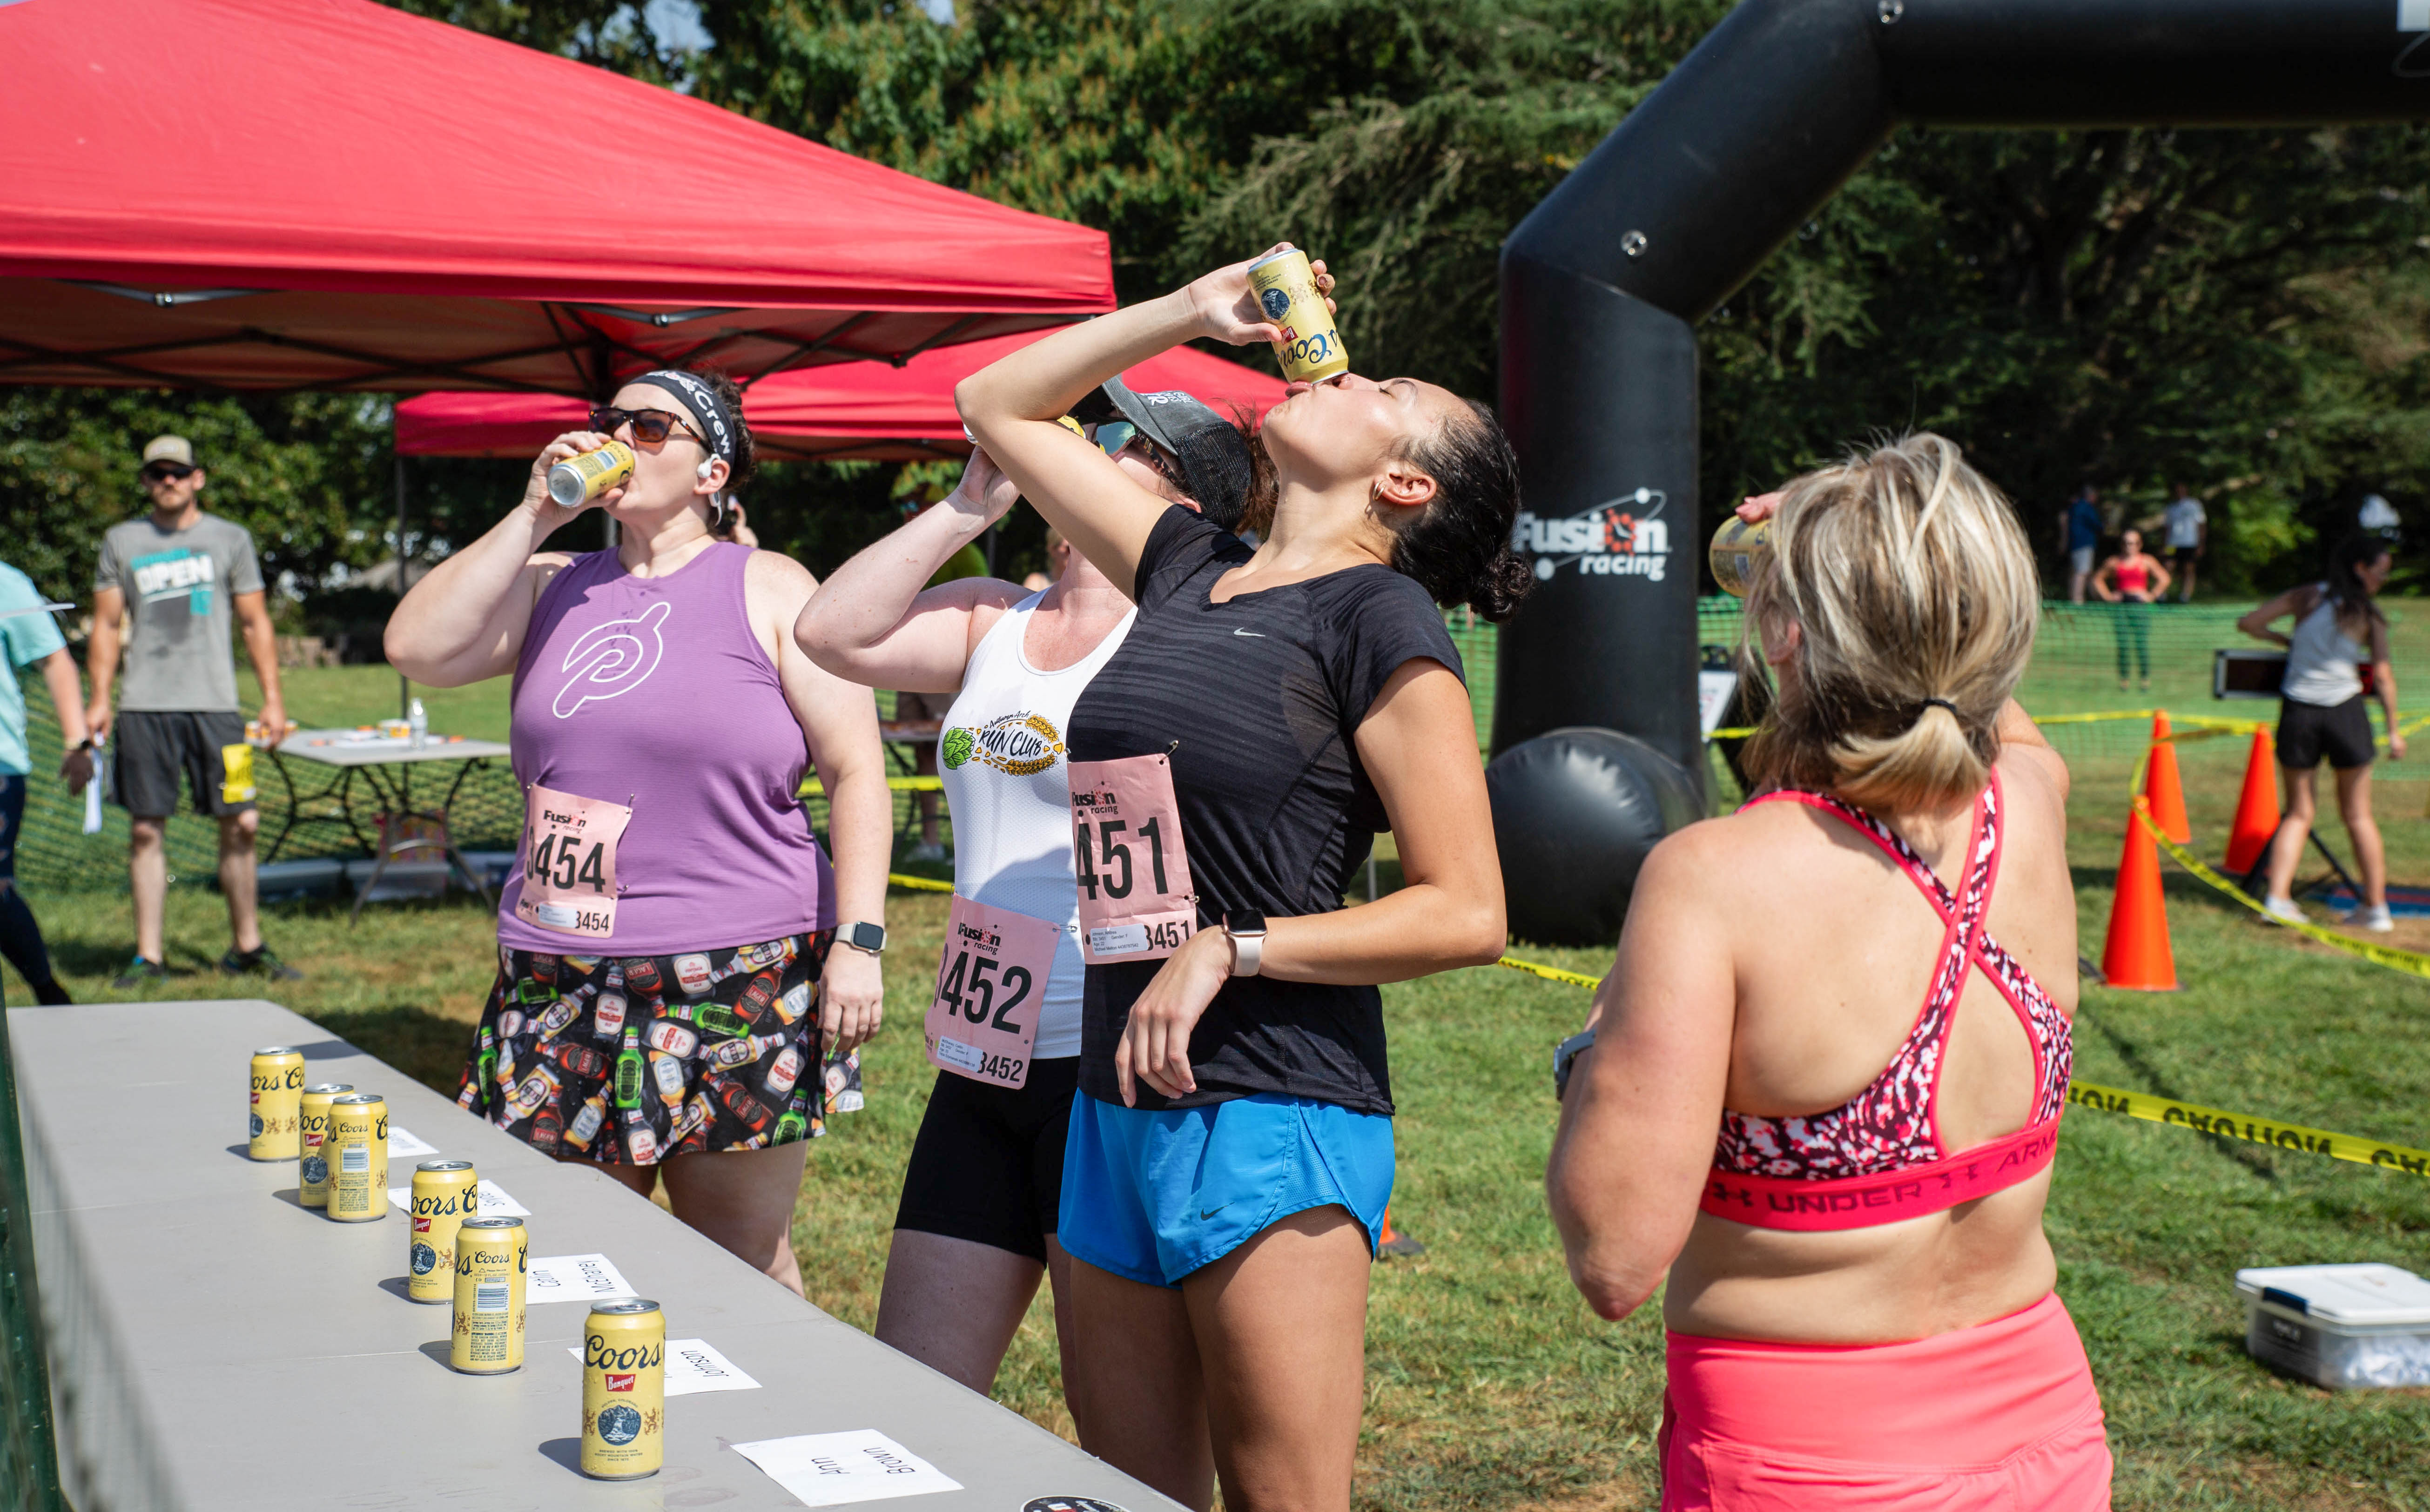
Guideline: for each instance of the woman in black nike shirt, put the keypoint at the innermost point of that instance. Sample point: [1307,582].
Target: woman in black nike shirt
[1231,1151]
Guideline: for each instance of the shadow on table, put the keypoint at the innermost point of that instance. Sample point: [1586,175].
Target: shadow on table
[565,1451]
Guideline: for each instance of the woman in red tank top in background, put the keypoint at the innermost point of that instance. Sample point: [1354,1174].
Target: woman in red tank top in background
[1835,1046]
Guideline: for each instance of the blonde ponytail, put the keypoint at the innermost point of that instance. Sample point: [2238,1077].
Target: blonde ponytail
[1915,598]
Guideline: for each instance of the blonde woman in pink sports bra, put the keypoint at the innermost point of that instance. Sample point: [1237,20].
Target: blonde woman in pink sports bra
[1822,1093]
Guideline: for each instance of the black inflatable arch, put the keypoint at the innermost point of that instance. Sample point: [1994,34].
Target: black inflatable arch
[1677,208]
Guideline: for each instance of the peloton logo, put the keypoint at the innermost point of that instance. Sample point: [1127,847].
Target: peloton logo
[1625,537]
[612,659]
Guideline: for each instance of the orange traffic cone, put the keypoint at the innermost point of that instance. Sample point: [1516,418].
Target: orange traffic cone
[2136,954]
[2257,808]
[1389,1242]
[2162,786]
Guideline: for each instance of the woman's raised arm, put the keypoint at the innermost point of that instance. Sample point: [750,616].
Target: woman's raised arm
[1012,407]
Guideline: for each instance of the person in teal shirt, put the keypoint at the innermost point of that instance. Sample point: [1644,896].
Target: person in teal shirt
[31,638]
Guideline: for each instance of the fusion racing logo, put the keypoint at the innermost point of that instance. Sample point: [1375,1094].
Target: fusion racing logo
[1018,745]
[1619,538]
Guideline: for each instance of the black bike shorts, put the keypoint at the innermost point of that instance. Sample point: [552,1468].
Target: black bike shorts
[151,750]
[988,1165]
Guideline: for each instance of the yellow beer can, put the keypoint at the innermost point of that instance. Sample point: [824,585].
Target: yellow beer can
[1737,554]
[623,1389]
[577,480]
[1311,349]
[312,1169]
[490,1259]
[356,1148]
[445,1193]
[276,1112]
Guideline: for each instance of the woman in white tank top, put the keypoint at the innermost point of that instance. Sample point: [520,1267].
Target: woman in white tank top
[2337,627]
[975,1229]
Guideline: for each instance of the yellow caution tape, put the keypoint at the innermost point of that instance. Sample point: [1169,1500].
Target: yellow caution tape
[2166,1110]
[919,884]
[1552,973]
[2244,1126]
[811,788]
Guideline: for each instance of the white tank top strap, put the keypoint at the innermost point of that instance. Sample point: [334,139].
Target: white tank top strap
[1003,760]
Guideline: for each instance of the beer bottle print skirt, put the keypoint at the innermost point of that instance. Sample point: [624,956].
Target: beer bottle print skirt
[629,1059]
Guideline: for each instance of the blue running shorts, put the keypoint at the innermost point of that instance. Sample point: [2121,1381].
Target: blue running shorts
[1153,1196]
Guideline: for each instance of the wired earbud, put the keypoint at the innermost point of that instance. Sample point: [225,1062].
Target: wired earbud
[702,472]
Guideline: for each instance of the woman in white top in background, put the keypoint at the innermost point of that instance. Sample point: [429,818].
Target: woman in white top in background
[2337,627]
[976,1224]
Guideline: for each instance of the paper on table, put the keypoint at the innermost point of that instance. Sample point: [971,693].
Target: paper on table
[574,1278]
[829,1469]
[403,1144]
[495,1202]
[694,1364]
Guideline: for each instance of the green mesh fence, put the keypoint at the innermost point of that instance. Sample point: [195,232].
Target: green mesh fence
[29,1474]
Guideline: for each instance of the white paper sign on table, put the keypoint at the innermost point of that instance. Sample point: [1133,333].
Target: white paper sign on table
[829,1469]
[694,1364]
[404,1145]
[494,1201]
[574,1278]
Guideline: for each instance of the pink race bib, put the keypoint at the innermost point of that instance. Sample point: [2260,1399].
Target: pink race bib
[569,862]
[990,983]
[1127,855]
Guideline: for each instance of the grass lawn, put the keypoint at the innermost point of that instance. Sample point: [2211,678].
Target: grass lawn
[1490,1385]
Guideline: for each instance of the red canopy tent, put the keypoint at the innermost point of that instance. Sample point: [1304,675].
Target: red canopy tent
[865,411]
[331,194]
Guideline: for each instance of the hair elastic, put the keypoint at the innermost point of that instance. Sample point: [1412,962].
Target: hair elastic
[1943,703]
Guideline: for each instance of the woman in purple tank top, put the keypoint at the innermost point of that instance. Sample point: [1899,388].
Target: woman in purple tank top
[667,998]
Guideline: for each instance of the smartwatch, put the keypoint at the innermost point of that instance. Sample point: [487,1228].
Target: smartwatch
[1563,1055]
[868,937]
[1247,927]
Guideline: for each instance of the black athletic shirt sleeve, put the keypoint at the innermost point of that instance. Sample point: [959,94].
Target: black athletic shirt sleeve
[1264,696]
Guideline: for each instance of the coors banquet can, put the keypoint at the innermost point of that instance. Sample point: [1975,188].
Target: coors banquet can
[1738,552]
[444,1194]
[1311,350]
[490,1259]
[277,1114]
[623,1389]
[312,1169]
[356,1148]
[577,480]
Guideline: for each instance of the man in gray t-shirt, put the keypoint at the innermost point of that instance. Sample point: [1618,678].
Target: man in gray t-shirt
[183,578]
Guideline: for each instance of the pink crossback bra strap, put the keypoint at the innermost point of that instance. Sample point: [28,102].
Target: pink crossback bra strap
[1878,1158]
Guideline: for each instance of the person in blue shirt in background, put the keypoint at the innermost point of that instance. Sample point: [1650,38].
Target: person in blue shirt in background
[29,638]
[2083,539]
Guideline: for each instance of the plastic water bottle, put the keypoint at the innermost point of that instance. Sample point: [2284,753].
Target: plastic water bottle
[415,717]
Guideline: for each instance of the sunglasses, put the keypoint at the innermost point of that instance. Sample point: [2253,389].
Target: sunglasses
[163,472]
[650,426]
[1114,437]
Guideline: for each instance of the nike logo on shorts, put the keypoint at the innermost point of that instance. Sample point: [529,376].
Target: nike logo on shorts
[1253,634]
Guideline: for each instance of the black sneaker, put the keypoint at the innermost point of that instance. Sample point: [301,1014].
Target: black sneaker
[139,972]
[262,961]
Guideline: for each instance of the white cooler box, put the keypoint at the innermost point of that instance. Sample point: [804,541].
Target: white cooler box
[2339,1325]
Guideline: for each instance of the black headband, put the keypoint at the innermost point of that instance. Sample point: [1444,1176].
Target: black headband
[707,411]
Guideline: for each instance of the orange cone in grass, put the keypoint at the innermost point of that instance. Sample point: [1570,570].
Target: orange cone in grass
[2257,808]
[2162,786]
[2138,954]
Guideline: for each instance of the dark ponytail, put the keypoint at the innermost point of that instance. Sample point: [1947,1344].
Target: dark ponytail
[730,395]
[1459,547]
[2347,591]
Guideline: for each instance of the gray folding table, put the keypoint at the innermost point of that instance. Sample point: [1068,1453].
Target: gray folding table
[214,1345]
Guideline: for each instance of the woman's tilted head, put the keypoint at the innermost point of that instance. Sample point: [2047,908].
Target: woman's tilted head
[1439,473]
[675,420]
[1897,612]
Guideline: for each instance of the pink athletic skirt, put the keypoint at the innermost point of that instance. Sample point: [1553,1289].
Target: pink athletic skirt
[2000,1415]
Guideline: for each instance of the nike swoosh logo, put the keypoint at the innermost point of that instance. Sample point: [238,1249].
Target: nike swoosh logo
[1253,634]
[1212,1212]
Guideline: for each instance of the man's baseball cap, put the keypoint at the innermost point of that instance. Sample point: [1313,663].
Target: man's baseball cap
[1215,464]
[169,449]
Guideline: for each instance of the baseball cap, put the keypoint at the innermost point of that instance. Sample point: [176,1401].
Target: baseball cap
[169,449]
[1214,456]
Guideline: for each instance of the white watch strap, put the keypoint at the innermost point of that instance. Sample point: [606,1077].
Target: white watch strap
[1247,948]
